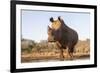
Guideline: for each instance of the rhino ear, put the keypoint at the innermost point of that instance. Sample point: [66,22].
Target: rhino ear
[59,18]
[51,19]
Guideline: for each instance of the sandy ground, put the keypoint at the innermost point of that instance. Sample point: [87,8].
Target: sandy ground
[48,56]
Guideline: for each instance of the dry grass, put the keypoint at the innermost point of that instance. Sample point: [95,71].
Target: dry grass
[82,51]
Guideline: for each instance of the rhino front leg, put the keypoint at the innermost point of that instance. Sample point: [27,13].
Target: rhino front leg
[61,55]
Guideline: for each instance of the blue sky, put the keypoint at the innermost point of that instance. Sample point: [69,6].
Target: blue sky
[34,23]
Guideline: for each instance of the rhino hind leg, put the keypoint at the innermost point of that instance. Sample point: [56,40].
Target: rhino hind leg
[71,56]
[70,52]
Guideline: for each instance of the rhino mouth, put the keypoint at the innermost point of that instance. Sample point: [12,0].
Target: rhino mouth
[51,41]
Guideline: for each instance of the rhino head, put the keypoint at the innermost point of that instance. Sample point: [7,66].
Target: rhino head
[54,32]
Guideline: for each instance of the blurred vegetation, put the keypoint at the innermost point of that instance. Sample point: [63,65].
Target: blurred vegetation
[32,46]
[43,46]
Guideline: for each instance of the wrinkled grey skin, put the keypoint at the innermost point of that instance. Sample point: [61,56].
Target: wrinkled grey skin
[65,37]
